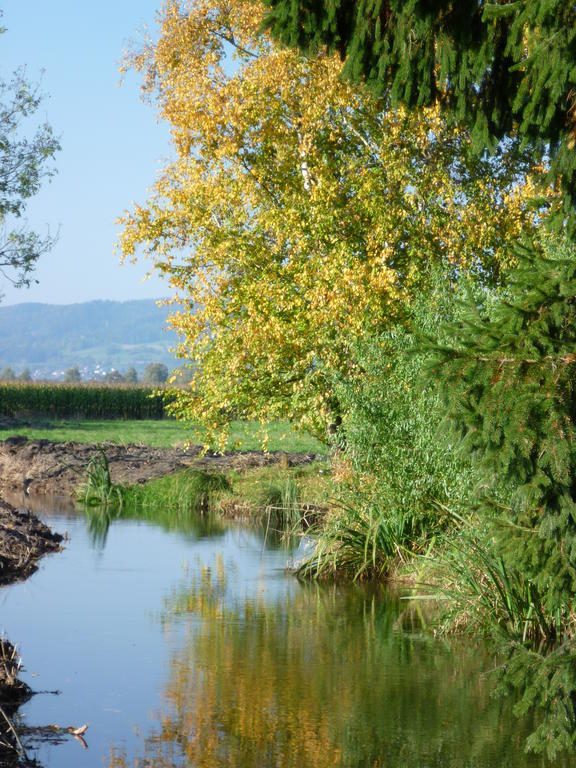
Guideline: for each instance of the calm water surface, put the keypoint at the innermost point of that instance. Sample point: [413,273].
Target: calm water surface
[196,648]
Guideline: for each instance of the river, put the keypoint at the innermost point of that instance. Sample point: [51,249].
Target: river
[196,647]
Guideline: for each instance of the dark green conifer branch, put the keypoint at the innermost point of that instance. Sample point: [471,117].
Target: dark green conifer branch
[499,66]
[509,382]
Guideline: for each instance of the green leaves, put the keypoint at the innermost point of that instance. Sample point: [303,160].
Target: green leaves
[25,161]
[300,214]
[508,383]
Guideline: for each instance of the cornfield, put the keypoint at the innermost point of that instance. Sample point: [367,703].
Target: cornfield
[81,401]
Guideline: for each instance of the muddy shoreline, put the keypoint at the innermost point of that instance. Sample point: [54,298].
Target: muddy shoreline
[24,540]
[41,467]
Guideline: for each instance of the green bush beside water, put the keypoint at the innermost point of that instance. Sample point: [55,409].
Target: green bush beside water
[189,491]
[276,498]
[183,502]
[402,475]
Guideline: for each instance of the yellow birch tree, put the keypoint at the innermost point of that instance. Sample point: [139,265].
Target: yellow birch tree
[299,212]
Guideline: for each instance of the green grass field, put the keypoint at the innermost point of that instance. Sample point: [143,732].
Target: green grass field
[167,433]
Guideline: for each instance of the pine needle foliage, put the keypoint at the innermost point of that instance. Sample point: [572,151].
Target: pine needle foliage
[509,387]
[507,373]
[547,682]
[494,65]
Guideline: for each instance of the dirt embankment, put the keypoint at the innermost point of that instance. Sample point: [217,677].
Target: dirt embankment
[23,541]
[45,467]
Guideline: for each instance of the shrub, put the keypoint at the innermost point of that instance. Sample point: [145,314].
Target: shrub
[405,472]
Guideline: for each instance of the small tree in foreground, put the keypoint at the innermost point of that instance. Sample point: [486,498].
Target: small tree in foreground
[25,160]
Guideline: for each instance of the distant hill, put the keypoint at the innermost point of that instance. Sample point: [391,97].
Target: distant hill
[95,336]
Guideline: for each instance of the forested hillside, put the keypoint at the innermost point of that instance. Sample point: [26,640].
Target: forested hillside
[47,338]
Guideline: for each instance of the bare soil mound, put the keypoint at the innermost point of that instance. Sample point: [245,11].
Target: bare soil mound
[24,539]
[46,467]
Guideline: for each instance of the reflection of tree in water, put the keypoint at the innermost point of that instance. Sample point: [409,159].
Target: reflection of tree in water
[189,523]
[323,677]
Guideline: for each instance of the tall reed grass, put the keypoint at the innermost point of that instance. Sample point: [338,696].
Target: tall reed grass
[489,595]
[366,542]
[281,502]
[98,490]
[191,490]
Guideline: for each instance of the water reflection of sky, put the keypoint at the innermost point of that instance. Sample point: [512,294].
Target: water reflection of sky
[199,649]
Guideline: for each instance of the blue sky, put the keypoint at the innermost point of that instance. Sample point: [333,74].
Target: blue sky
[112,144]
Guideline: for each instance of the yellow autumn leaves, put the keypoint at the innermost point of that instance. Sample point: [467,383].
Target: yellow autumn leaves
[299,213]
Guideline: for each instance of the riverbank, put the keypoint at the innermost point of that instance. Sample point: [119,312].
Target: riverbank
[46,467]
[24,540]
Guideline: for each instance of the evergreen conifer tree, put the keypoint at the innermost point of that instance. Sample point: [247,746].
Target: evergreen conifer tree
[508,377]
[509,382]
[499,66]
